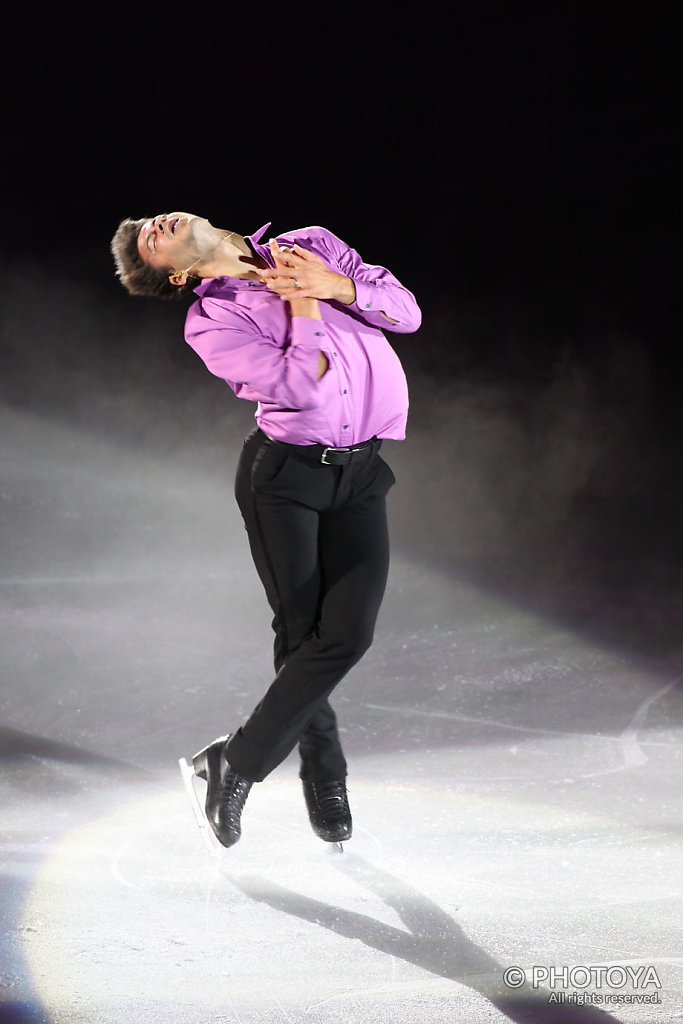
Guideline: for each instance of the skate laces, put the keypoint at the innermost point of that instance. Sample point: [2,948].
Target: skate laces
[331,798]
[233,795]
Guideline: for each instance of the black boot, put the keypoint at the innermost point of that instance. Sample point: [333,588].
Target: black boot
[226,791]
[328,810]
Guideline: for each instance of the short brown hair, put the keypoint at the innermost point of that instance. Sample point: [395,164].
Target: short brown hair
[136,276]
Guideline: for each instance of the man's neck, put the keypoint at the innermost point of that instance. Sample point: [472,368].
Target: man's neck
[233,258]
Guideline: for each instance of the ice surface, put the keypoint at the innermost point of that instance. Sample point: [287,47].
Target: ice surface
[514,780]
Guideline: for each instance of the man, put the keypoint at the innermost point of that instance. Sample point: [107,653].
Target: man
[296,327]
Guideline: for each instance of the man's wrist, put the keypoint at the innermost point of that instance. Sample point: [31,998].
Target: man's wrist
[305,307]
[345,291]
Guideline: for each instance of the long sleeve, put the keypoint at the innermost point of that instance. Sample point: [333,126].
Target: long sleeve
[256,365]
[381,299]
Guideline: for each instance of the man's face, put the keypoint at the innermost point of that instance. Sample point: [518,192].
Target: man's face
[175,240]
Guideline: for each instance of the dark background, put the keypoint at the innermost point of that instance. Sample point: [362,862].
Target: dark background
[518,165]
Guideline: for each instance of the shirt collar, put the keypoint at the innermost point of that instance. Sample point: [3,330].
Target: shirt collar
[260,250]
[253,242]
[258,235]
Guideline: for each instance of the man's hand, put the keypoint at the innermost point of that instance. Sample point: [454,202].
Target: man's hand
[300,274]
[280,281]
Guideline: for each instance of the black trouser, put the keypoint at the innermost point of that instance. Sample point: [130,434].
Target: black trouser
[319,540]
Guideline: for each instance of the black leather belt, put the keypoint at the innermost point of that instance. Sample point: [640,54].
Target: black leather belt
[330,456]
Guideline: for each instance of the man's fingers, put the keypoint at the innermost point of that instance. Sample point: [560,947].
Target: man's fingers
[305,254]
[286,289]
[295,293]
[295,250]
[283,284]
[279,272]
[281,256]
[290,257]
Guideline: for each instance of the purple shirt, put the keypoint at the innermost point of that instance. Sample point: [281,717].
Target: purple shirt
[246,335]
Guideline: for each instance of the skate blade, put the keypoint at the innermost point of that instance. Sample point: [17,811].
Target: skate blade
[210,840]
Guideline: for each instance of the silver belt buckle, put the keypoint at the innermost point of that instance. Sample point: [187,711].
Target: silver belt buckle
[331,448]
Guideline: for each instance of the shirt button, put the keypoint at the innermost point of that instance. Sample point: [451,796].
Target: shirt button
[367,305]
[320,334]
[344,391]
[345,427]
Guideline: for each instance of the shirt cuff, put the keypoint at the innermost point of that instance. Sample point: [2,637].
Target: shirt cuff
[370,297]
[308,333]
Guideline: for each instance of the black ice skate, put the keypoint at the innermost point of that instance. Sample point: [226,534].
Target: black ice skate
[328,810]
[226,793]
